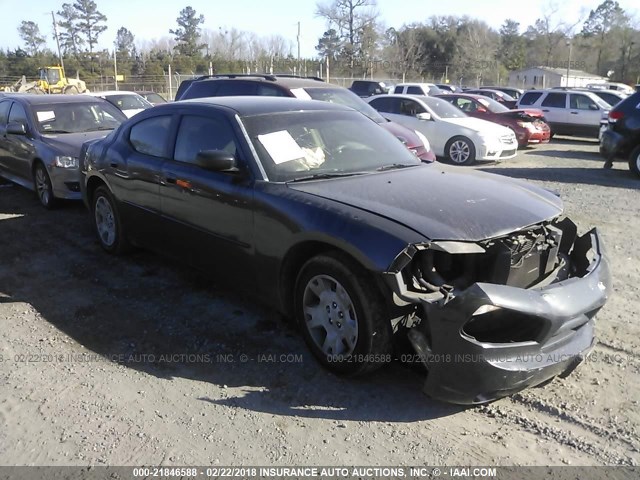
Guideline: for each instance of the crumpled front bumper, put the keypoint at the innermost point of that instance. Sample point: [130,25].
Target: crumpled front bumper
[464,370]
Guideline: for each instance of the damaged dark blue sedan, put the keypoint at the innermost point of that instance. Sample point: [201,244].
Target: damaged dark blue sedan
[326,216]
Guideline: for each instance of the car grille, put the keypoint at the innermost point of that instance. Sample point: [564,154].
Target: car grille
[508,139]
[507,153]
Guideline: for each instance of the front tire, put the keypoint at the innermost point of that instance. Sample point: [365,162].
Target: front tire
[634,161]
[343,320]
[43,187]
[460,151]
[107,222]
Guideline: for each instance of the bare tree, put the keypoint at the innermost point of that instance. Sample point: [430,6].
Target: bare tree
[353,21]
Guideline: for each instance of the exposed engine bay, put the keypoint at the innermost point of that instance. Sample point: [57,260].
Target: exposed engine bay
[536,256]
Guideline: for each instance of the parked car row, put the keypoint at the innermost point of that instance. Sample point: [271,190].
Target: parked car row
[326,216]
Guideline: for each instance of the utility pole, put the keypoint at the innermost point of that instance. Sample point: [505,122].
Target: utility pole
[115,67]
[55,32]
[298,39]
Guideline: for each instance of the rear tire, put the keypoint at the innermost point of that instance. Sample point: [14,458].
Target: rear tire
[460,151]
[107,222]
[342,317]
[634,161]
[43,187]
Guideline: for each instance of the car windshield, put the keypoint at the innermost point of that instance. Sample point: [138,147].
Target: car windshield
[492,105]
[322,144]
[154,98]
[128,102]
[76,117]
[344,97]
[442,108]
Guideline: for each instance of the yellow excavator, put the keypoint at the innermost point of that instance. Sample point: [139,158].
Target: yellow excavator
[50,80]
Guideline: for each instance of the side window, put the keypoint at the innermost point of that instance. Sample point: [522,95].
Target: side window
[270,91]
[4,112]
[383,104]
[555,100]
[415,91]
[149,136]
[466,105]
[398,89]
[529,98]
[197,134]
[18,114]
[411,108]
[233,87]
[582,102]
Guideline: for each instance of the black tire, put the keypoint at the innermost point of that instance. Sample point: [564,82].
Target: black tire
[456,148]
[634,161]
[105,209]
[373,346]
[43,187]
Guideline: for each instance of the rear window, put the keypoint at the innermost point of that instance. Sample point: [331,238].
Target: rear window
[555,100]
[529,98]
[398,89]
[415,91]
[200,90]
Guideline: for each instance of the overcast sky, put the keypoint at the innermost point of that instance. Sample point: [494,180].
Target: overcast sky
[149,19]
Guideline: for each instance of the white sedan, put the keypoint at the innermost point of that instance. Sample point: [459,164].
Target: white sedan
[129,103]
[452,134]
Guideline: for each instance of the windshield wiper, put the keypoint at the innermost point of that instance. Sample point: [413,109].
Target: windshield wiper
[55,131]
[320,176]
[96,129]
[395,166]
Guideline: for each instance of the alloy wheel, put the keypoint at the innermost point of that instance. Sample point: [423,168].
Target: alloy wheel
[105,221]
[459,151]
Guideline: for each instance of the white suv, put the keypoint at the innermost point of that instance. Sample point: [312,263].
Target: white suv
[428,89]
[568,112]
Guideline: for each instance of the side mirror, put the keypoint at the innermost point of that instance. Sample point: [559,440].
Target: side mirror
[593,106]
[216,161]
[17,128]
[481,110]
[423,116]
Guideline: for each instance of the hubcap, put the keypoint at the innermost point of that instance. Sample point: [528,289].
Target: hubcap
[105,221]
[638,162]
[330,316]
[42,186]
[459,151]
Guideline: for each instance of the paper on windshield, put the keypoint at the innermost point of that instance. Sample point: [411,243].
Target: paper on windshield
[301,93]
[45,116]
[281,146]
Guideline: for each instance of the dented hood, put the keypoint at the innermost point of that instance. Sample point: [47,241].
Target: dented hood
[442,203]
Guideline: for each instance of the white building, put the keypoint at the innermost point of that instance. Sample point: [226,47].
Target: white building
[545,77]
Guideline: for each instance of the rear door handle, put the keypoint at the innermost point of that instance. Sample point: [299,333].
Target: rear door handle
[114,165]
[544,110]
[574,113]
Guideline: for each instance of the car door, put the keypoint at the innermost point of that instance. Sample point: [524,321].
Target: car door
[584,113]
[133,172]
[5,105]
[554,106]
[208,215]
[20,148]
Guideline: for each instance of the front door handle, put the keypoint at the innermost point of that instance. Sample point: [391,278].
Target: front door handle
[574,113]
[114,165]
[170,179]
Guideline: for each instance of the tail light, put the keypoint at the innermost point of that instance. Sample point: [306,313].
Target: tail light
[614,116]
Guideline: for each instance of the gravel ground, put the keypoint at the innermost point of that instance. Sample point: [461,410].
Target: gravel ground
[136,360]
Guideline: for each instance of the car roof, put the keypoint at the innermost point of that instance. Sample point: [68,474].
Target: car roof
[410,96]
[251,105]
[111,92]
[34,99]
[282,80]
[410,84]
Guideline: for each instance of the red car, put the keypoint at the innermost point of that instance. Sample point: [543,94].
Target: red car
[528,124]
[497,95]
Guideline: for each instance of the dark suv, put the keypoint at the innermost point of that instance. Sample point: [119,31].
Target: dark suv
[306,88]
[368,88]
[622,138]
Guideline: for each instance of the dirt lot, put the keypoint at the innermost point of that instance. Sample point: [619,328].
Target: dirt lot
[136,360]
